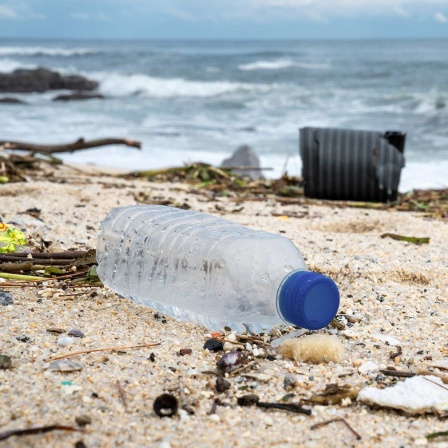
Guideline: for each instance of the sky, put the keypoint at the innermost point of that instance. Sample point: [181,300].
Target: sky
[223,19]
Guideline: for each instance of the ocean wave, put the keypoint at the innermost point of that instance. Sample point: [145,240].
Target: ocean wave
[139,84]
[268,65]
[9,65]
[45,51]
[279,64]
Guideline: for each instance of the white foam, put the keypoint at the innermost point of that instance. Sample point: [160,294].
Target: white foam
[45,51]
[279,64]
[115,84]
[9,65]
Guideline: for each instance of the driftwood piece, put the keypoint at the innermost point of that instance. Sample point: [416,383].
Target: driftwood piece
[69,147]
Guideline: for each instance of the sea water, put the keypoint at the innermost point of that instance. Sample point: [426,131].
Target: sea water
[199,100]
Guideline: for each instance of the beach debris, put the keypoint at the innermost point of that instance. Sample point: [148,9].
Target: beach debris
[36,430]
[396,354]
[222,384]
[334,420]
[76,333]
[335,394]
[434,435]
[55,330]
[231,361]
[117,349]
[165,405]
[122,393]
[275,343]
[392,371]
[80,444]
[83,420]
[252,399]
[441,364]
[6,298]
[408,239]
[65,365]
[315,348]
[368,367]
[5,362]
[416,395]
[11,100]
[65,341]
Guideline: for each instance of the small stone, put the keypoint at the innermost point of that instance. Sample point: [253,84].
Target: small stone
[185,351]
[80,444]
[368,367]
[165,405]
[5,362]
[214,345]
[65,365]
[214,417]
[228,346]
[23,338]
[76,333]
[222,384]
[83,420]
[248,400]
[290,380]
[65,341]
[6,298]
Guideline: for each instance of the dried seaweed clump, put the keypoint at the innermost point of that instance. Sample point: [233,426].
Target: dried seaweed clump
[315,348]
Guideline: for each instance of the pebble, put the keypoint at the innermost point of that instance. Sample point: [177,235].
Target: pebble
[83,420]
[23,338]
[368,367]
[65,365]
[231,361]
[290,380]
[6,298]
[214,345]
[76,333]
[5,362]
[65,341]
[214,417]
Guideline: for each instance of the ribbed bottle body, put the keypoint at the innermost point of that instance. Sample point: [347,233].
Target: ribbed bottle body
[194,266]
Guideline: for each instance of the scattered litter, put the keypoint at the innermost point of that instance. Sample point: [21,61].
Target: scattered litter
[415,395]
[65,341]
[5,362]
[76,333]
[10,238]
[6,298]
[165,405]
[368,367]
[316,348]
[65,365]
[68,388]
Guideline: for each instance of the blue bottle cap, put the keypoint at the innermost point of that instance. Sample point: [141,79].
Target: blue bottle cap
[308,300]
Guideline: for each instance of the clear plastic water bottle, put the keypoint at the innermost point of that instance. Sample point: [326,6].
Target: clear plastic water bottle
[205,269]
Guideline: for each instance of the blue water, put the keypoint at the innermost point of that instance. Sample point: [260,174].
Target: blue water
[200,100]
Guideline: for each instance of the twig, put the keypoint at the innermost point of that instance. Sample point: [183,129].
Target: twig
[122,395]
[338,419]
[240,369]
[26,278]
[291,407]
[397,373]
[82,352]
[36,430]
[433,382]
[68,147]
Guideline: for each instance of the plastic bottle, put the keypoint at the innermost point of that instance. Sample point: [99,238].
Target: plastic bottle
[198,267]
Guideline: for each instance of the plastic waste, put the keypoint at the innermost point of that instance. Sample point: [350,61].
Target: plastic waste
[205,269]
[10,238]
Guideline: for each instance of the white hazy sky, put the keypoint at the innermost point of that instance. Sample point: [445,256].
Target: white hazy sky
[224,18]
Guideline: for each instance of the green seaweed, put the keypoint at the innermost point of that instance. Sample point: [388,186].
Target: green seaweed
[408,239]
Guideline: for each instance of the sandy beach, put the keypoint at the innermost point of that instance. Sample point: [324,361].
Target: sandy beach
[392,289]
